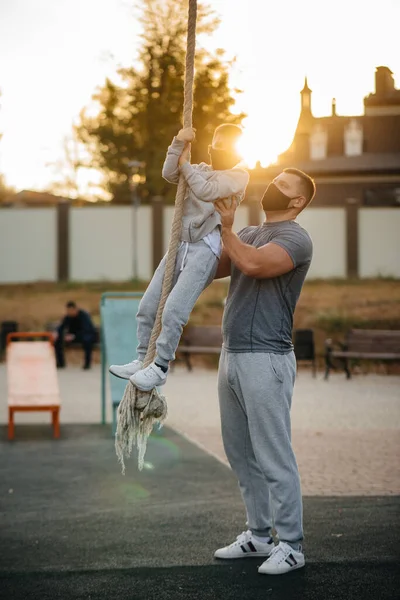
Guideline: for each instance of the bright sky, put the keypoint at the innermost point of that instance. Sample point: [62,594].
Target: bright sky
[53,53]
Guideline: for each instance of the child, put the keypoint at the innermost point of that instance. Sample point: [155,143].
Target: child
[198,254]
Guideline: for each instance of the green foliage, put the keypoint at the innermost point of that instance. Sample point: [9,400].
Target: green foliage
[138,117]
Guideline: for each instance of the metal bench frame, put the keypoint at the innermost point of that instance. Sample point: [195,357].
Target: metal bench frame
[363,344]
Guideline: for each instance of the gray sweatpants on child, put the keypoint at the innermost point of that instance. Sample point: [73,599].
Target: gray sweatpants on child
[255,395]
[199,267]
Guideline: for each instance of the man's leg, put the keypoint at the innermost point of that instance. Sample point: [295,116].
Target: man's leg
[239,449]
[59,350]
[198,272]
[87,349]
[266,381]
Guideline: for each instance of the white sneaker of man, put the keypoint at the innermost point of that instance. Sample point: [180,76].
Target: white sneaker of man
[126,371]
[246,546]
[149,378]
[282,560]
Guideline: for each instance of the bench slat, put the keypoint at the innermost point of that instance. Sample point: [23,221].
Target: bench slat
[374,332]
[200,349]
[209,337]
[377,348]
[367,355]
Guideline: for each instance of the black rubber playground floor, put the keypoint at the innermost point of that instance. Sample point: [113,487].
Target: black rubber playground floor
[73,528]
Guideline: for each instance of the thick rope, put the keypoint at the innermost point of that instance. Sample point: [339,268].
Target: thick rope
[139,411]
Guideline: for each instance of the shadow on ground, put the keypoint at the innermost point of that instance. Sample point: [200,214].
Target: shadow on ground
[74,528]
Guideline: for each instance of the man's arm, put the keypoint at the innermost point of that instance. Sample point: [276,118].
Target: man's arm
[63,325]
[224,266]
[261,263]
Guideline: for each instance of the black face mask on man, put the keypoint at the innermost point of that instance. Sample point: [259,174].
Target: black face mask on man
[274,199]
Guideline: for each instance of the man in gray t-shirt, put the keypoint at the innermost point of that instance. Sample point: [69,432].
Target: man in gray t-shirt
[268,265]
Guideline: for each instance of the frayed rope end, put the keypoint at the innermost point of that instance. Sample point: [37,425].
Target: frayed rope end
[137,413]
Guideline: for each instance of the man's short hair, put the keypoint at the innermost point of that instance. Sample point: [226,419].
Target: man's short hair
[230,133]
[307,183]
[71,304]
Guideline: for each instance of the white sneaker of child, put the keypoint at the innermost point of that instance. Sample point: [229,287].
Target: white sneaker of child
[149,378]
[126,371]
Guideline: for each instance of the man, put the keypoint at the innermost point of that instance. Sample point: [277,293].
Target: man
[76,326]
[268,265]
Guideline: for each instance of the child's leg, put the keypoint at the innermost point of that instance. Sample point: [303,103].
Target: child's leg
[146,314]
[199,270]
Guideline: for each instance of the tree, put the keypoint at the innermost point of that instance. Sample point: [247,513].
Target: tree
[5,190]
[138,116]
[71,177]
[65,182]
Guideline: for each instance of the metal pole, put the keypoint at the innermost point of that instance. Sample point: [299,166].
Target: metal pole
[134,225]
[103,369]
[134,181]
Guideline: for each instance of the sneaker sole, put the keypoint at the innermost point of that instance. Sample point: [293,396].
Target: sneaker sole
[278,572]
[247,555]
[146,389]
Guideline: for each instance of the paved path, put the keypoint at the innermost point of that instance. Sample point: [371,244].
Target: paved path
[346,434]
[74,529]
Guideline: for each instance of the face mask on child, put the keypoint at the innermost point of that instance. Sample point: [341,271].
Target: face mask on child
[274,199]
[222,159]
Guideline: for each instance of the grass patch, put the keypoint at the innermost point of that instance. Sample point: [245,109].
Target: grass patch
[337,322]
[330,308]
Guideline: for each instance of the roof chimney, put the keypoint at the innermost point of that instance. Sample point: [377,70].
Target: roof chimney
[384,82]
[306,98]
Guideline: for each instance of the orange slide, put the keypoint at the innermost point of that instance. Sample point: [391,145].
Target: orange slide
[32,377]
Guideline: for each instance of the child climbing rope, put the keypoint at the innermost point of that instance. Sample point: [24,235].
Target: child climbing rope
[199,251]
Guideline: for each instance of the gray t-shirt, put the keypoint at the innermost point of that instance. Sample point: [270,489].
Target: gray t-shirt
[258,316]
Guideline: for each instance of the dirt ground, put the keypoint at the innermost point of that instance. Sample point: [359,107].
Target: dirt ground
[330,308]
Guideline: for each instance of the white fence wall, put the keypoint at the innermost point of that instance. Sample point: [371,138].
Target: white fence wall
[28,245]
[101,243]
[327,228]
[379,242]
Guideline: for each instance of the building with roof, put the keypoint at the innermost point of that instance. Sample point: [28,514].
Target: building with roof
[355,160]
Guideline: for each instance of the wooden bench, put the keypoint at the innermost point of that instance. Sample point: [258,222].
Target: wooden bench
[363,344]
[200,340]
[208,340]
[32,377]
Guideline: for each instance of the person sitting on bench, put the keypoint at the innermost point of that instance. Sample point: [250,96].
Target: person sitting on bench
[77,327]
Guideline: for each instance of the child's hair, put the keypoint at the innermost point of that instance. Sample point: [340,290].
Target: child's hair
[229,133]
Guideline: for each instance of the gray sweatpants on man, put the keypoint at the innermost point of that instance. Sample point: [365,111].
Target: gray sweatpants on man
[255,394]
[195,268]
